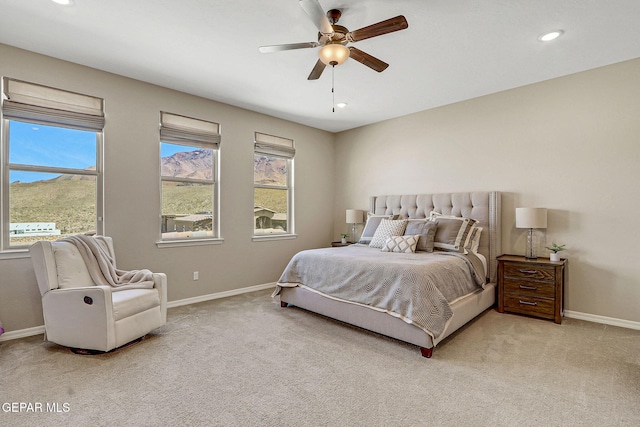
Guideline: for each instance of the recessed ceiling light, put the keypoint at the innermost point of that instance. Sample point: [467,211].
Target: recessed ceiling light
[63,2]
[551,35]
[341,104]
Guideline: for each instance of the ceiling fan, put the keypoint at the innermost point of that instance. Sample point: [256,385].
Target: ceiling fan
[333,38]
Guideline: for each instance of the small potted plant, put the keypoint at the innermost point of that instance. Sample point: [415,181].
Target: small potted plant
[555,249]
[344,238]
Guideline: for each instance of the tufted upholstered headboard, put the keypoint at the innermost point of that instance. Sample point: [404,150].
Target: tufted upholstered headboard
[481,206]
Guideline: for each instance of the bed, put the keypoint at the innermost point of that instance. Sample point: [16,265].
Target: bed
[429,320]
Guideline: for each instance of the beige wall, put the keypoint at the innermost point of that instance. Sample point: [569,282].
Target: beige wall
[570,144]
[132,188]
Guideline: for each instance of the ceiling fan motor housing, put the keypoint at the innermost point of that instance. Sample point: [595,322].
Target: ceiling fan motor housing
[334,15]
[339,35]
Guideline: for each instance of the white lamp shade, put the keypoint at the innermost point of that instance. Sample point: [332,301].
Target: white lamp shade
[354,216]
[531,218]
[333,54]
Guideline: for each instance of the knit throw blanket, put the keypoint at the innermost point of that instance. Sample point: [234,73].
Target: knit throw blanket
[102,266]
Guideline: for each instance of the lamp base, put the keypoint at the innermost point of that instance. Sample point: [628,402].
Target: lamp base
[531,252]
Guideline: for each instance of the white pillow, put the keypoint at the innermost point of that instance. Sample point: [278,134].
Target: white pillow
[402,244]
[387,228]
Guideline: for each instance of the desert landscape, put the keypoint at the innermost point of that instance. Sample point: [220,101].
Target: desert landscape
[69,200]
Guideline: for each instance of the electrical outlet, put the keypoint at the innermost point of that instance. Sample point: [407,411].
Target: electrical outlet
[196,275]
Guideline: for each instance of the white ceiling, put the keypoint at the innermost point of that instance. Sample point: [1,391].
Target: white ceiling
[452,50]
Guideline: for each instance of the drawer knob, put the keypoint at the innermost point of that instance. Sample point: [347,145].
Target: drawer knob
[527,302]
[528,271]
[532,288]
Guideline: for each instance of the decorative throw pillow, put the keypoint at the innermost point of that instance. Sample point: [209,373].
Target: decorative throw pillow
[371,226]
[425,229]
[474,239]
[452,231]
[402,244]
[387,228]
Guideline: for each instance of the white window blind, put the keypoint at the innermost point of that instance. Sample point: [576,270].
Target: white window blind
[181,129]
[274,145]
[32,102]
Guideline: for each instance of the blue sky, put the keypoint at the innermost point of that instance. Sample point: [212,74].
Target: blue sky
[40,145]
[167,149]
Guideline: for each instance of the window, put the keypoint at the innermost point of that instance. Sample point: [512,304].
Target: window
[272,185]
[51,173]
[188,174]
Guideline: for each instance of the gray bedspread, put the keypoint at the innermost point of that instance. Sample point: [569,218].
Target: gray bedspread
[416,287]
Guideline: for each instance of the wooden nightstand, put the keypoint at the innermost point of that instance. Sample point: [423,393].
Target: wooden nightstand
[340,244]
[531,286]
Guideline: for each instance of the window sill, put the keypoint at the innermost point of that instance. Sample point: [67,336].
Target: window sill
[274,237]
[191,242]
[15,254]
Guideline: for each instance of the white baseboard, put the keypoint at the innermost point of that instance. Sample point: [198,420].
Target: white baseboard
[602,319]
[37,330]
[217,295]
[23,333]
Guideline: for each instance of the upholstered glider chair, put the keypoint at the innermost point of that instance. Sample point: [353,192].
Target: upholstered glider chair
[81,314]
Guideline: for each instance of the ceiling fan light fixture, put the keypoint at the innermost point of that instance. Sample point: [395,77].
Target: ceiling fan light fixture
[333,54]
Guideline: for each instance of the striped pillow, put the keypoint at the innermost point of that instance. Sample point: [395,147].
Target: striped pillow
[452,231]
[473,242]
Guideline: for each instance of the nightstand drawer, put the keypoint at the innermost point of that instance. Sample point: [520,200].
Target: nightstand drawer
[530,272]
[529,305]
[529,287]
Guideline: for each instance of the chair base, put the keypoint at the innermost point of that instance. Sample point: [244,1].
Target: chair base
[88,352]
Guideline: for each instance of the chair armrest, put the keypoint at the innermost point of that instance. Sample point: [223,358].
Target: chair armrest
[160,283]
[80,317]
[69,298]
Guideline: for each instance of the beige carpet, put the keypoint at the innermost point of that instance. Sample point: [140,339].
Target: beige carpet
[244,361]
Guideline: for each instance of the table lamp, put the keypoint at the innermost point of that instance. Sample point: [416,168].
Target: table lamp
[354,216]
[531,218]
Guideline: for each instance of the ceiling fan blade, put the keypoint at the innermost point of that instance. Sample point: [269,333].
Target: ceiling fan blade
[317,70]
[383,27]
[368,60]
[290,46]
[317,15]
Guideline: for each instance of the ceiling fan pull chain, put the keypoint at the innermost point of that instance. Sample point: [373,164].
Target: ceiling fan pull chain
[333,92]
